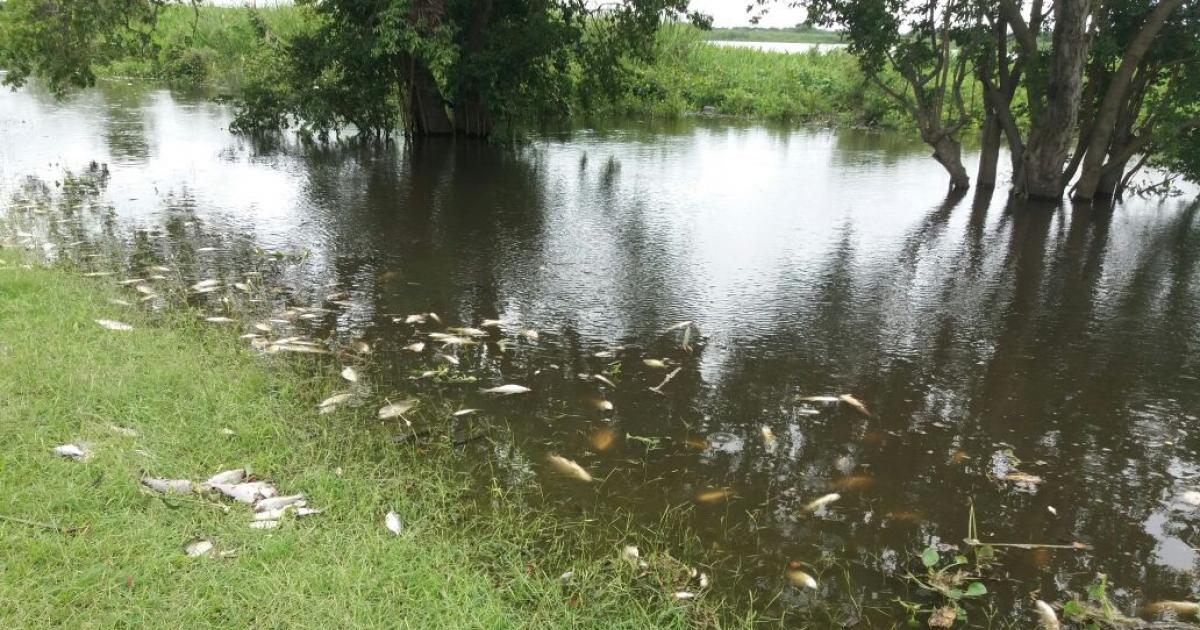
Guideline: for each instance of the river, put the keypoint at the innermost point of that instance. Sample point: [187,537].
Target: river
[1041,364]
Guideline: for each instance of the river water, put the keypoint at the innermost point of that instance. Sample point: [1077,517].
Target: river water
[1040,364]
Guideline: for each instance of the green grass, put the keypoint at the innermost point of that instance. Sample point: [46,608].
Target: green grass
[792,35]
[469,557]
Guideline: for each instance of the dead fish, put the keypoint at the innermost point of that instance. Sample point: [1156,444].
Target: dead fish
[361,347]
[678,325]
[683,595]
[98,274]
[799,578]
[569,468]
[631,553]
[855,403]
[827,400]
[131,281]
[264,524]
[250,492]
[854,483]
[273,515]
[602,439]
[416,347]
[206,250]
[220,320]
[1186,609]
[126,431]
[168,486]
[529,333]
[1023,479]
[464,412]
[604,379]
[712,496]
[451,340]
[198,548]
[565,578]
[278,503]
[600,404]
[821,502]
[604,354]
[109,324]
[768,436]
[144,289]
[491,323]
[418,318]
[1046,614]
[205,286]
[235,475]
[243,287]
[469,332]
[657,364]
[392,523]
[263,327]
[72,451]
[396,409]
[350,374]
[301,512]
[251,336]
[445,358]
[331,403]
[507,390]
[297,348]
[159,269]
[1190,497]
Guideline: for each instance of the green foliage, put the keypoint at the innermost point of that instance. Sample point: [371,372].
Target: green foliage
[801,34]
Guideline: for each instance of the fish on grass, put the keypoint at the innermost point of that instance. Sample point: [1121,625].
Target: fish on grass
[237,475]
[821,502]
[798,578]
[278,503]
[112,324]
[199,548]
[350,374]
[507,390]
[396,409]
[168,486]
[220,320]
[250,492]
[564,466]
[329,405]
[72,451]
[392,522]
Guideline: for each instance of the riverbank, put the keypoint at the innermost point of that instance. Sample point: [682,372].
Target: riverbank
[87,546]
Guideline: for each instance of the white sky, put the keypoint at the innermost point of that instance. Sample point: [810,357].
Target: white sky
[733,13]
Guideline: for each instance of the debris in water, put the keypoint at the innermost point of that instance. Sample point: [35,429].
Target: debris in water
[1190,497]
[1046,614]
[392,522]
[113,325]
[507,390]
[853,483]
[799,578]
[329,405]
[168,486]
[855,403]
[72,451]
[350,374]
[569,468]
[396,409]
[712,496]
[1023,479]
[1050,509]
[199,548]
[821,502]
[600,404]
[416,347]
[126,431]
[264,524]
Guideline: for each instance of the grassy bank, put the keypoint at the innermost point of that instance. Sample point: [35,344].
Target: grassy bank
[86,546]
[797,35]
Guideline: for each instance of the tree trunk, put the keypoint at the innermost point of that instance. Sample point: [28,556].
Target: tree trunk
[426,114]
[471,116]
[989,151]
[1115,96]
[948,152]
[1051,130]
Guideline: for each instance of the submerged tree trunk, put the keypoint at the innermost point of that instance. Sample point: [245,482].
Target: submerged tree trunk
[1053,124]
[1115,97]
[426,112]
[471,115]
[948,152]
[989,151]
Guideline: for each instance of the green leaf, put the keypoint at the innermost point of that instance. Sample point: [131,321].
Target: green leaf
[960,560]
[1073,609]
[955,594]
[976,589]
[930,557]
[984,552]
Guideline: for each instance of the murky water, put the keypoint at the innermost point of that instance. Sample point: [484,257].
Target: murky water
[986,339]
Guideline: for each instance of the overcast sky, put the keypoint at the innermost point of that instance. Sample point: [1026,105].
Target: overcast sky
[733,13]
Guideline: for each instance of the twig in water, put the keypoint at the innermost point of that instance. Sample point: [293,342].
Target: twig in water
[1077,546]
[658,388]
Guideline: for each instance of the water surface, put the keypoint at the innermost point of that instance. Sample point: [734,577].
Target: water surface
[984,337]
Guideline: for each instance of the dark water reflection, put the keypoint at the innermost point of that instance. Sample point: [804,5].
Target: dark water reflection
[813,262]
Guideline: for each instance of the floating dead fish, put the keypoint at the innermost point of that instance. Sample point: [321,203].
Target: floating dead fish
[110,324]
[131,281]
[350,374]
[507,390]
[445,358]
[338,297]
[821,502]
[205,286]
[1052,510]
[144,289]
[396,409]
[278,503]
[768,437]
[72,451]
[361,347]
[392,523]
[98,274]
[678,325]
[249,492]
[159,269]
[251,336]
[604,379]
[529,333]
[264,524]
[469,332]
[451,340]
[1046,615]
[220,320]
[712,496]
[297,348]
[464,412]
[602,439]
[243,287]
[1184,609]
[657,364]
[683,595]
[168,486]
[600,404]
[126,431]
[263,327]
[416,347]
[799,578]
[206,250]
[826,400]
[855,403]
[491,323]
[418,318]
[1023,479]
[569,468]
[199,548]
[604,354]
